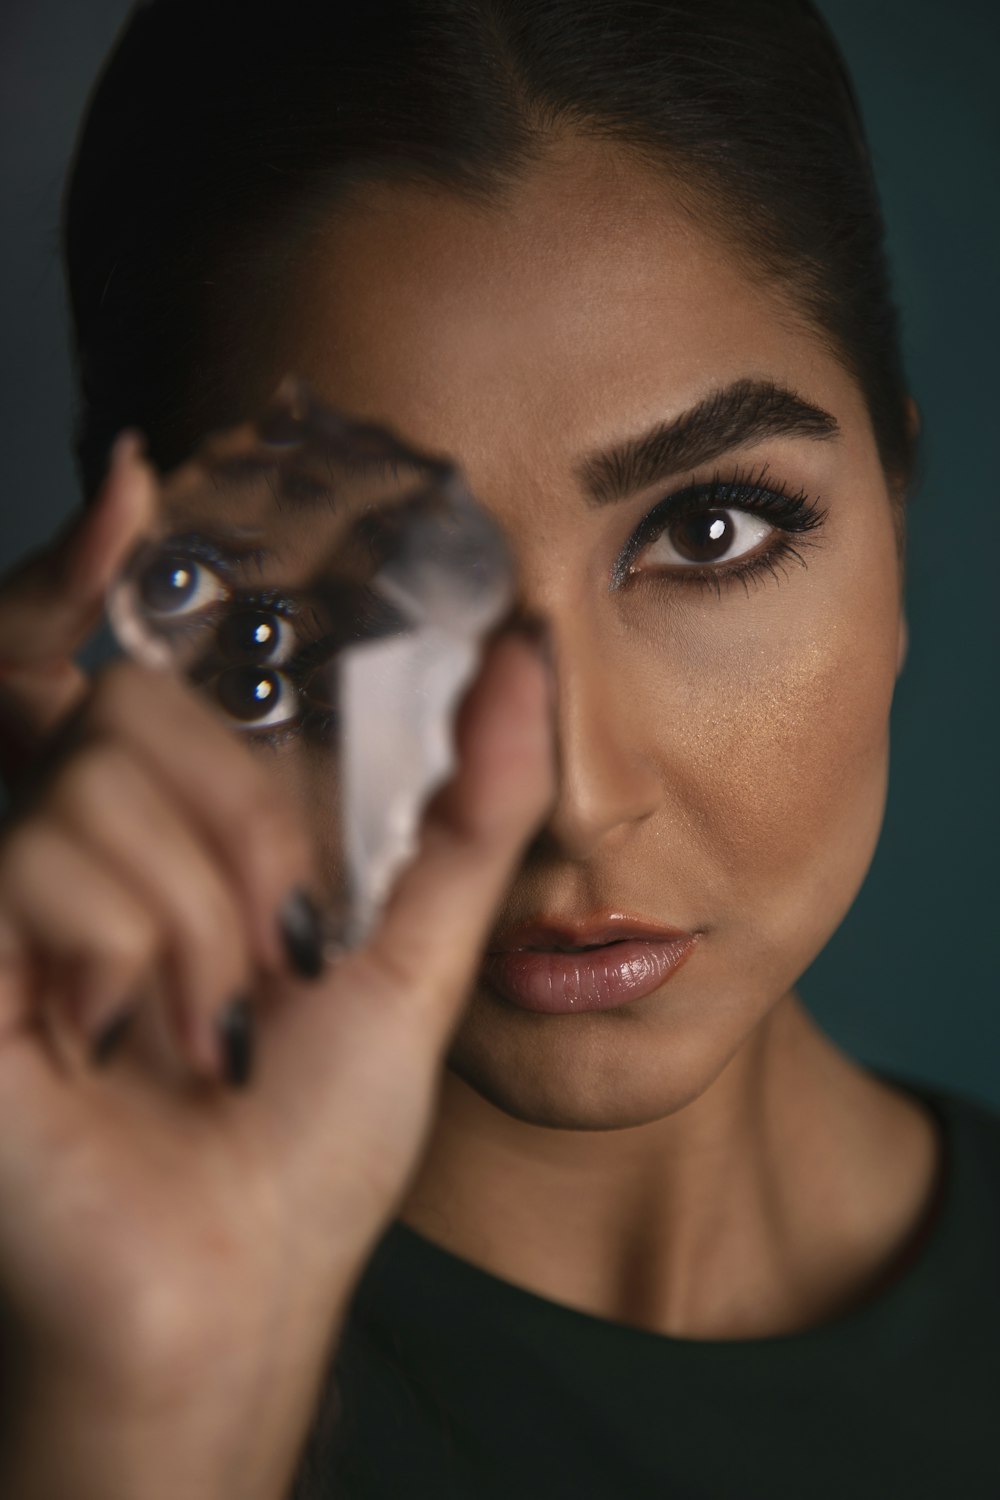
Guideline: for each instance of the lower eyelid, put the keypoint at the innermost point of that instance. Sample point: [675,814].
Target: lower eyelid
[754,566]
[770,561]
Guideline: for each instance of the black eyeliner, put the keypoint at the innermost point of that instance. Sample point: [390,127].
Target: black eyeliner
[789,512]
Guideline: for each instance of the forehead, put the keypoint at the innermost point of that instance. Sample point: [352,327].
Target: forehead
[593,295]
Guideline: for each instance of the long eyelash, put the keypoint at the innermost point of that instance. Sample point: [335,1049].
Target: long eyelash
[791,512]
[752,571]
[753,489]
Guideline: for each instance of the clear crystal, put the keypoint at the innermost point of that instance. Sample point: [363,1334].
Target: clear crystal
[329,590]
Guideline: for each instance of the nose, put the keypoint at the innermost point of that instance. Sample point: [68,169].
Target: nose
[606,784]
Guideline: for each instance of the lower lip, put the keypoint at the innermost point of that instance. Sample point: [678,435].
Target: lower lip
[563,984]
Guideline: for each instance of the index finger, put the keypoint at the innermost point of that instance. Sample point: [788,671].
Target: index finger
[51,602]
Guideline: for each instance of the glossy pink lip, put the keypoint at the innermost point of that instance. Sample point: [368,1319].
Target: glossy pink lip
[624,960]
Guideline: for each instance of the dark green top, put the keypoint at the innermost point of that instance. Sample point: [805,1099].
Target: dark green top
[455,1383]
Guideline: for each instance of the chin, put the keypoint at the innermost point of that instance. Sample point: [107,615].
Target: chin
[611,1070]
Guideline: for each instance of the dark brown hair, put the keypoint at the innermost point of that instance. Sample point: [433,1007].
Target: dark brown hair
[222,131]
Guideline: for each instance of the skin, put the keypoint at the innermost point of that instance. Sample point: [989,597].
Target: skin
[177,1249]
[703,1162]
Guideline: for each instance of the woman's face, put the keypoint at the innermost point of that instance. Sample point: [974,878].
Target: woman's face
[723,734]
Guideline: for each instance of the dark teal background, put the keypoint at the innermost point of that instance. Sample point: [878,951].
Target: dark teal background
[910,979]
[909,982]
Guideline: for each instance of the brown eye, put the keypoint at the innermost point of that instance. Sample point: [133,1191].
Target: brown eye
[705,537]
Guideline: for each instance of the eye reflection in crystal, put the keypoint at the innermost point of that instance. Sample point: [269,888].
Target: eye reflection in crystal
[173,585]
[255,635]
[248,694]
[328,590]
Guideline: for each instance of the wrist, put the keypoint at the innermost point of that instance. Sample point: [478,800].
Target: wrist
[206,1437]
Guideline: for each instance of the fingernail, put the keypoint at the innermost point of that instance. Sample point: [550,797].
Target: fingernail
[302,933]
[109,1038]
[236,1043]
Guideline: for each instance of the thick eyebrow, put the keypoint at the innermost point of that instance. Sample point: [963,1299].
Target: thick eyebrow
[741,413]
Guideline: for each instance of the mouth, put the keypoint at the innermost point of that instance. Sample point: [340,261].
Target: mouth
[556,935]
[603,964]
[563,947]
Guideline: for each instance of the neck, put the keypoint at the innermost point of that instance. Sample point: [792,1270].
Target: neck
[782,1195]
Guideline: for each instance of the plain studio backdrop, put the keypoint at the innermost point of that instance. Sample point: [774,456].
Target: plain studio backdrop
[909,981]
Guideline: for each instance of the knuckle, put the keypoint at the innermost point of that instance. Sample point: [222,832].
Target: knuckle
[128,697]
[209,930]
[278,851]
[114,693]
[266,837]
[106,921]
[97,769]
[214,920]
[24,855]
[131,937]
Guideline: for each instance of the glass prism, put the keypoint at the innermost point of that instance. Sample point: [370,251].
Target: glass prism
[328,589]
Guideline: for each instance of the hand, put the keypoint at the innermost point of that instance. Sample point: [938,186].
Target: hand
[176,1256]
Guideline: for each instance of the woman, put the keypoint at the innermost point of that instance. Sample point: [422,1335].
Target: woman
[557,1179]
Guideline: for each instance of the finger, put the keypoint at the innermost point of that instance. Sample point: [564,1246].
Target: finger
[369,1037]
[64,915]
[247,816]
[112,804]
[52,601]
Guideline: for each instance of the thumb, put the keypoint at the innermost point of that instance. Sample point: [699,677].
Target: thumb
[348,1067]
[441,911]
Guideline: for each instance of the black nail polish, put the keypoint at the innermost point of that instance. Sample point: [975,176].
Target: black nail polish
[302,931]
[110,1037]
[236,1039]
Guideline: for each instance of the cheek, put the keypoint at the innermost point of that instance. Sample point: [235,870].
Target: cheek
[796,765]
[778,762]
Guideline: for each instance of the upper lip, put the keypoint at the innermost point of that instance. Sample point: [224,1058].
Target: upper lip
[558,933]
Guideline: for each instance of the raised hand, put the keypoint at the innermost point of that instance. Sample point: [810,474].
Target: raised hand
[176,1254]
